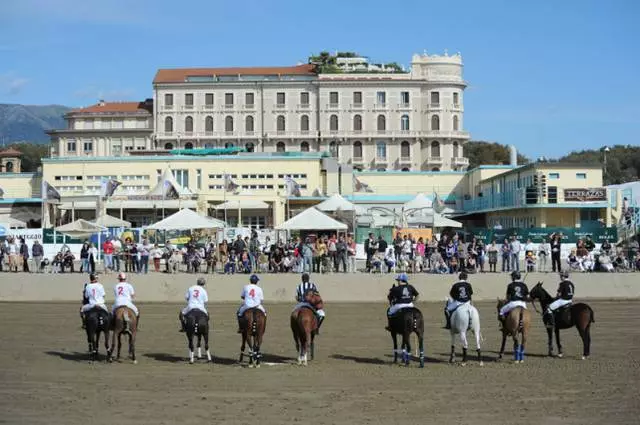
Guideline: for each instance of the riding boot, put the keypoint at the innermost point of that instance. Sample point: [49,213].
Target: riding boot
[549,319]
[84,323]
[447,317]
[183,327]
[388,327]
[320,320]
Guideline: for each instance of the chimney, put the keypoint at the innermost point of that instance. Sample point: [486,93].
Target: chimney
[513,156]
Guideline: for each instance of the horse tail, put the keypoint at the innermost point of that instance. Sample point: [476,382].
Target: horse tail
[521,320]
[593,316]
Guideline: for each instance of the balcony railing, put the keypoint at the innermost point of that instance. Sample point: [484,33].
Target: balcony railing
[333,105]
[461,161]
[188,107]
[357,105]
[380,106]
[404,105]
[513,198]
[228,105]
[434,160]
[249,106]
[303,106]
[357,160]
[434,105]
[448,134]
[405,160]
[280,105]
[208,106]
[168,107]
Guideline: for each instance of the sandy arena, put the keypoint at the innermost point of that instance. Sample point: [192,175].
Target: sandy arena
[45,377]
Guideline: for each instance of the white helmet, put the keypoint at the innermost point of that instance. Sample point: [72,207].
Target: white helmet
[122,277]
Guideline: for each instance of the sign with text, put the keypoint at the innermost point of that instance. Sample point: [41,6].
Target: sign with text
[585,195]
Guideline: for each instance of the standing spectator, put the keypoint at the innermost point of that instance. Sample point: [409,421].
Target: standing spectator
[307,256]
[382,245]
[418,262]
[543,252]
[555,252]
[84,257]
[480,255]
[320,253]
[407,248]
[515,253]
[13,250]
[37,251]
[332,249]
[117,252]
[463,254]
[432,249]
[341,254]
[492,253]
[144,251]
[506,256]
[156,254]
[397,246]
[134,258]
[351,253]
[24,254]
[92,257]
[239,245]
[107,250]
[254,250]
[369,250]
[3,250]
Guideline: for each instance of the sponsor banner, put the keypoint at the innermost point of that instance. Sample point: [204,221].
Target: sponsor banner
[539,234]
[591,194]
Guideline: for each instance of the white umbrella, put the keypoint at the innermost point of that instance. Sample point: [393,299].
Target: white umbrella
[312,219]
[110,221]
[80,228]
[187,219]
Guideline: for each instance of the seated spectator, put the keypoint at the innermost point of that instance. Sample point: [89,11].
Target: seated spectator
[263,262]
[277,261]
[587,263]
[390,260]
[441,267]
[377,260]
[605,263]
[530,261]
[246,262]
[230,265]
[573,262]
[288,263]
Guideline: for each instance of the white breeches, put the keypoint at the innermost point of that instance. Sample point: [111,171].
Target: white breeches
[608,267]
[187,309]
[305,304]
[127,304]
[397,307]
[453,304]
[244,308]
[510,306]
[558,303]
[88,307]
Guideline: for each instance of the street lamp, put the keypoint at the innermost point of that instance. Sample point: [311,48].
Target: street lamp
[604,151]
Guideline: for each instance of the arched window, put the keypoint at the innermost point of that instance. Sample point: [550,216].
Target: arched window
[455,123]
[381,150]
[280,123]
[208,124]
[228,124]
[382,123]
[435,122]
[435,169]
[280,147]
[435,149]
[304,147]
[455,149]
[188,125]
[188,145]
[405,150]
[248,124]
[250,147]
[229,145]
[333,123]
[304,123]
[168,146]
[333,149]
[168,125]
[404,123]
[357,123]
[9,167]
[357,150]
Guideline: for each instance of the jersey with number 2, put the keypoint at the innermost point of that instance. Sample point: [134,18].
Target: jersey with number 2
[252,295]
[123,293]
[197,297]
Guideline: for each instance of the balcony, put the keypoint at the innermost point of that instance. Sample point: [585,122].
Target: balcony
[380,106]
[434,106]
[168,107]
[208,106]
[405,160]
[357,160]
[404,106]
[435,160]
[249,106]
[456,107]
[513,198]
[333,106]
[228,106]
[303,106]
[358,106]
[460,161]
[188,107]
[447,134]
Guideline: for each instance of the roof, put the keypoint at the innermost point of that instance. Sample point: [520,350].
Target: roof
[10,152]
[187,219]
[180,75]
[114,107]
[312,219]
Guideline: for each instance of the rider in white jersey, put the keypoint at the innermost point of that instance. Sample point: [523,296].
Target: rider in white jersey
[124,294]
[92,296]
[252,297]
[197,299]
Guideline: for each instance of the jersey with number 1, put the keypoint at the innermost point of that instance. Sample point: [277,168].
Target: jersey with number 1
[252,295]
[94,292]
[123,293]
[197,297]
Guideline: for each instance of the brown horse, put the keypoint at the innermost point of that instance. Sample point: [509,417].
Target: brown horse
[254,323]
[304,325]
[124,322]
[579,315]
[517,323]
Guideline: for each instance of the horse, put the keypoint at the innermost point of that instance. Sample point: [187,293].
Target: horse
[517,322]
[304,326]
[97,321]
[197,324]
[463,318]
[406,322]
[254,323]
[124,321]
[579,315]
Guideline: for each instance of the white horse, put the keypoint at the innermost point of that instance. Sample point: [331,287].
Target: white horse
[464,318]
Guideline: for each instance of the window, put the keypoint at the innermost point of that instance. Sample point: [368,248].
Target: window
[168,100]
[357,123]
[405,150]
[280,147]
[168,125]
[188,100]
[455,149]
[280,98]
[333,98]
[552,194]
[168,146]
[188,125]
[182,177]
[304,98]
[208,125]
[228,100]
[455,123]
[456,99]
[248,124]
[554,176]
[581,176]
[88,146]
[435,169]
[435,98]
[333,149]
[404,98]
[188,145]
[228,124]
[304,123]
[381,150]
[357,150]
[227,146]
[198,179]
[249,99]
[357,98]
[435,149]
[280,124]
[333,123]
[382,123]
[304,147]
[435,122]
[208,100]
[250,147]
[71,145]
[404,123]
[381,98]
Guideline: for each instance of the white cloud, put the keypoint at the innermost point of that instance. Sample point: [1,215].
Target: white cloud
[12,84]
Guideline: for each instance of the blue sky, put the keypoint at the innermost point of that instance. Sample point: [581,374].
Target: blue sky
[547,76]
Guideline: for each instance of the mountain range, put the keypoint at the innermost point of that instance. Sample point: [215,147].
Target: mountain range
[28,123]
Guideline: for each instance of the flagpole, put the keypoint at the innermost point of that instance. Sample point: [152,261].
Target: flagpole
[224,196]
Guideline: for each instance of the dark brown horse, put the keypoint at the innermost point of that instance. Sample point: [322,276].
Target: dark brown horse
[517,323]
[405,322]
[124,322]
[97,321]
[254,324]
[579,315]
[304,325]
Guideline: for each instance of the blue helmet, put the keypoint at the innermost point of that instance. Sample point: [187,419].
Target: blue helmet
[254,278]
[402,277]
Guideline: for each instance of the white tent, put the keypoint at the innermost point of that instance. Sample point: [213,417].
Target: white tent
[420,201]
[166,183]
[80,228]
[187,219]
[111,221]
[312,219]
[12,222]
[440,221]
[243,204]
[337,202]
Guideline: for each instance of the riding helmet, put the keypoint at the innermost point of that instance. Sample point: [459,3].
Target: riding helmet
[93,277]
[254,279]
[402,277]
[201,281]
[564,274]
[463,276]
[122,276]
[515,275]
[305,277]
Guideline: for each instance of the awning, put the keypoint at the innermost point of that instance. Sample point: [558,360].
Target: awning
[440,221]
[110,221]
[187,220]
[242,204]
[312,219]
[80,229]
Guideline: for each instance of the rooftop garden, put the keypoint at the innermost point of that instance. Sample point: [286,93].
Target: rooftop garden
[327,63]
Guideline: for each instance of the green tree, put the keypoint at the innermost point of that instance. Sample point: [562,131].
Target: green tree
[489,153]
[623,162]
[32,155]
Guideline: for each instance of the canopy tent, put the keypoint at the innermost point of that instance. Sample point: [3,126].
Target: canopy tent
[244,204]
[110,221]
[312,219]
[80,228]
[166,185]
[440,221]
[12,222]
[420,201]
[337,202]
[187,219]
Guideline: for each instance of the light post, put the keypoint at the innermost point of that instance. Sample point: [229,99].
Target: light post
[604,152]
